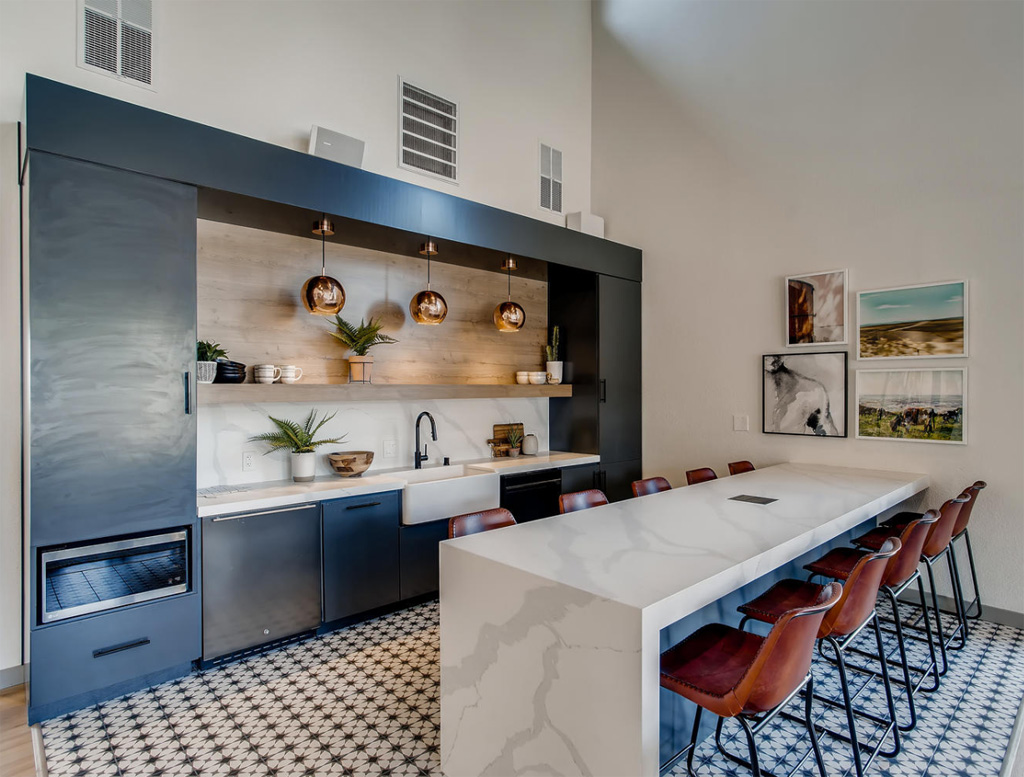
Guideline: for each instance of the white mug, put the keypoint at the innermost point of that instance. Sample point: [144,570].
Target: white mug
[290,373]
[266,373]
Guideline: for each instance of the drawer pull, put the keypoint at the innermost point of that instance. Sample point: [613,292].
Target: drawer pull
[360,507]
[118,648]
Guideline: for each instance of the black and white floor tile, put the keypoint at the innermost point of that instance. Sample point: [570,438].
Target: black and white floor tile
[364,701]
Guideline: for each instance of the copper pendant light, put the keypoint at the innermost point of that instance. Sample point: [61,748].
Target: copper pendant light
[428,307]
[509,316]
[322,295]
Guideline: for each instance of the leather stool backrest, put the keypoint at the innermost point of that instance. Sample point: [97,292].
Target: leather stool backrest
[650,486]
[581,500]
[701,475]
[860,592]
[942,531]
[904,563]
[965,509]
[739,467]
[473,523]
[784,658]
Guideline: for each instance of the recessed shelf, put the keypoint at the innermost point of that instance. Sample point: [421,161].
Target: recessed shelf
[256,393]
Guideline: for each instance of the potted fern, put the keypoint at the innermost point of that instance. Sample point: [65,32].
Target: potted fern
[360,339]
[301,440]
[554,364]
[207,354]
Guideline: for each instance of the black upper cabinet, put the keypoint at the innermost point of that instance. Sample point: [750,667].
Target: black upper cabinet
[619,363]
[361,561]
[112,317]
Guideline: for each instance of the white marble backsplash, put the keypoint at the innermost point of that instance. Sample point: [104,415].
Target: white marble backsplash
[463,427]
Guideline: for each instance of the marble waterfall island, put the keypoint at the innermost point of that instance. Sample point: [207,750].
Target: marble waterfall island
[550,629]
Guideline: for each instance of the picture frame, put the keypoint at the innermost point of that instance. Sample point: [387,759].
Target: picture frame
[805,394]
[912,405]
[921,321]
[816,309]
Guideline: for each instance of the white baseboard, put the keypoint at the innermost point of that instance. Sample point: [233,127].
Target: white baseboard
[16,675]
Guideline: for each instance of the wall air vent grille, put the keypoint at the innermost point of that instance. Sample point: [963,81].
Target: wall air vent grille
[116,38]
[550,178]
[429,135]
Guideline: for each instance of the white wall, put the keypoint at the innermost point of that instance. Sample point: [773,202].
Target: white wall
[773,138]
[270,70]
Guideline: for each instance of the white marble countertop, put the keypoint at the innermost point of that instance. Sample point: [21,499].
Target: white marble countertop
[261,496]
[682,549]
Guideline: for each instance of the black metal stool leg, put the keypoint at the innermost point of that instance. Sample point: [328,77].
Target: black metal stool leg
[848,704]
[974,577]
[752,745]
[903,658]
[890,700]
[958,596]
[693,741]
[928,633]
[938,619]
[811,730]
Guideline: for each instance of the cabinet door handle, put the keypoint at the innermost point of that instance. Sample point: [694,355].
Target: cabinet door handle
[108,651]
[360,507]
[188,393]
[604,390]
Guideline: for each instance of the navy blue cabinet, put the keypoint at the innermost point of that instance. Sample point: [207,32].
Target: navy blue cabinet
[361,557]
[420,570]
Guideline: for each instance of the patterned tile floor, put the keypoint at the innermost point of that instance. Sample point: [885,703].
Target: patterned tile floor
[364,701]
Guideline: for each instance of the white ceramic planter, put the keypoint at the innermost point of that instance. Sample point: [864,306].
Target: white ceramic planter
[206,372]
[530,445]
[554,372]
[359,369]
[303,467]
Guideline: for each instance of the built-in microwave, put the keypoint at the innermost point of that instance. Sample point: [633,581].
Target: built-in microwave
[105,574]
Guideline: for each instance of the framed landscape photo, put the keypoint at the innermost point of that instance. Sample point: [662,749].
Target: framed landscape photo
[816,309]
[805,394]
[913,322]
[926,405]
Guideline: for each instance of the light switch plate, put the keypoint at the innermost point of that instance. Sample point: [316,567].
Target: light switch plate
[741,423]
[389,448]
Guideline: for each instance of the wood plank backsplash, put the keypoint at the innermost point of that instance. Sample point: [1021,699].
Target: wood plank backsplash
[248,296]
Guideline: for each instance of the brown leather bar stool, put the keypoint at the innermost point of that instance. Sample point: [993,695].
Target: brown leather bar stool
[473,523]
[900,574]
[650,486]
[701,475]
[735,674]
[841,625]
[739,467]
[936,546]
[581,500]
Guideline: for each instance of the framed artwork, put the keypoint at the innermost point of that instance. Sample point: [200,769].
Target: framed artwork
[913,322]
[816,309]
[805,394]
[926,405]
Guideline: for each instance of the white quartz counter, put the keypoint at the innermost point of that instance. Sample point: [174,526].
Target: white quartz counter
[261,496]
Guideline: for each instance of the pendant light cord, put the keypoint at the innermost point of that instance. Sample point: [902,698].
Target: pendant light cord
[510,281]
[323,245]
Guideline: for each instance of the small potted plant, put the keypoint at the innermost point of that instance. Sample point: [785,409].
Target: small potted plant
[554,365]
[515,439]
[360,339]
[300,440]
[207,354]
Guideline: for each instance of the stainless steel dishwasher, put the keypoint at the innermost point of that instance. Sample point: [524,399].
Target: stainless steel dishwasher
[261,578]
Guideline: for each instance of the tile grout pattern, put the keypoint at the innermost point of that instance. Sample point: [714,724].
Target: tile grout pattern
[365,701]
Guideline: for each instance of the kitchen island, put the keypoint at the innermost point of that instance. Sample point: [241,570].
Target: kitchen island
[550,631]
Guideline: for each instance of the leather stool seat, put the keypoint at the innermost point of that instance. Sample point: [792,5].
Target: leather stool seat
[837,563]
[782,597]
[875,538]
[707,666]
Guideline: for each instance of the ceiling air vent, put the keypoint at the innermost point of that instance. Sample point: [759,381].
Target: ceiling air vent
[117,39]
[550,178]
[430,132]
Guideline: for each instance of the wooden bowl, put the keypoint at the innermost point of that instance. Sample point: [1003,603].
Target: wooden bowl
[350,464]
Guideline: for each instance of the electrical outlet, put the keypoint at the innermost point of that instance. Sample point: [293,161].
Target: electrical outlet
[248,461]
[390,449]
[741,423]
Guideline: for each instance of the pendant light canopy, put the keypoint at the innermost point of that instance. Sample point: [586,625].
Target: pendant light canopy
[322,295]
[509,316]
[428,307]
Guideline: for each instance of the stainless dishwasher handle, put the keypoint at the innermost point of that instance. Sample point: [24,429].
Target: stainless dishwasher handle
[263,512]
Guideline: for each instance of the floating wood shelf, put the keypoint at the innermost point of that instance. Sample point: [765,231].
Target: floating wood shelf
[256,393]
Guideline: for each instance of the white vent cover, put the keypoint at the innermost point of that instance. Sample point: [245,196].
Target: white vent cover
[430,132]
[550,178]
[116,38]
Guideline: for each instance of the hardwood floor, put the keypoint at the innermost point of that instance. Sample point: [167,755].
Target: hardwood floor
[16,755]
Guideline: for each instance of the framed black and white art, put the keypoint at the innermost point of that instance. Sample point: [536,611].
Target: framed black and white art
[805,394]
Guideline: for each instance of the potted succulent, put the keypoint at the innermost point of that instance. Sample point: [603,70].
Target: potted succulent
[515,439]
[300,440]
[554,365]
[207,354]
[360,339]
